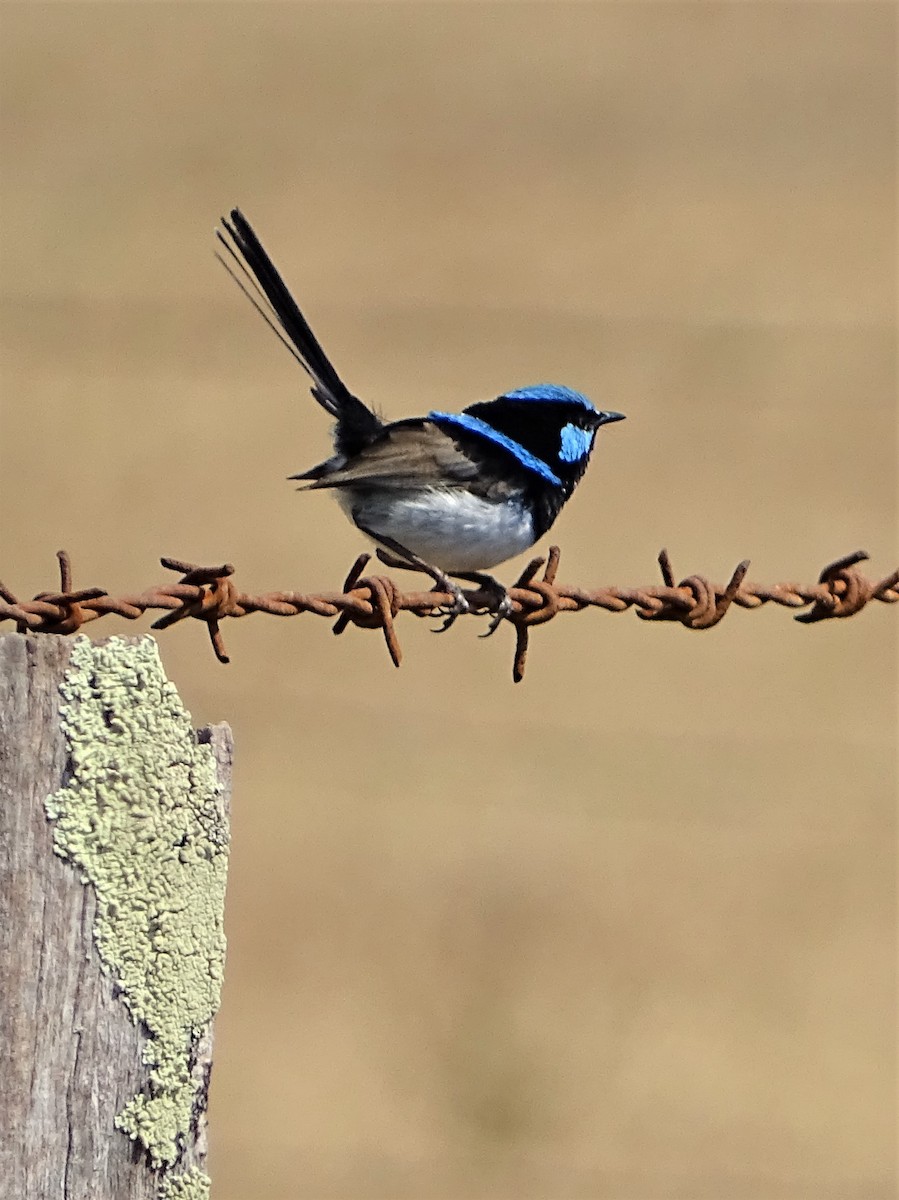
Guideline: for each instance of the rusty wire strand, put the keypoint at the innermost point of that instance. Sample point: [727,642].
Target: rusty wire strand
[373,602]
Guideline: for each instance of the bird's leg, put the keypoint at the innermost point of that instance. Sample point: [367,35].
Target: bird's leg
[504,605]
[442,581]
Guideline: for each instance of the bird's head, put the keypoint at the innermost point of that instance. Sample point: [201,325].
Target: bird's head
[555,424]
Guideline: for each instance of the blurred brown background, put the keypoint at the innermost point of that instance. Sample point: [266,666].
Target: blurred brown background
[625,931]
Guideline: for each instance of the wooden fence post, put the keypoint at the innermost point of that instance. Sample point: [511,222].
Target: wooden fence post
[113,859]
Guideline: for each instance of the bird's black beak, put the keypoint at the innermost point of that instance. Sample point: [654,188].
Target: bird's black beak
[606,418]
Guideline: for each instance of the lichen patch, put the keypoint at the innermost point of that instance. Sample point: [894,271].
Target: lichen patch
[142,818]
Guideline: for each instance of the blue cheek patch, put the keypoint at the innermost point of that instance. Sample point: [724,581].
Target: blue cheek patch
[575,443]
[475,425]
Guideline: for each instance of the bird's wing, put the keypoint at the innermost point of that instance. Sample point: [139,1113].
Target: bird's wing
[412,453]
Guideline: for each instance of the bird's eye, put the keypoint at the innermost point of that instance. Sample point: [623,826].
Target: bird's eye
[575,443]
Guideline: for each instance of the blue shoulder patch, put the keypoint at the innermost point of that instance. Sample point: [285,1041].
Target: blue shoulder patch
[475,425]
[550,391]
[575,443]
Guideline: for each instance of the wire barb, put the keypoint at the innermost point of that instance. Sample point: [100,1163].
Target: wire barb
[380,610]
[209,594]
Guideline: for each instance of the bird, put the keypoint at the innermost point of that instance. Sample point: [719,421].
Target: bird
[448,493]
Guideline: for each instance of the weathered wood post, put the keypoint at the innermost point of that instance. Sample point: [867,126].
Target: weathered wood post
[113,858]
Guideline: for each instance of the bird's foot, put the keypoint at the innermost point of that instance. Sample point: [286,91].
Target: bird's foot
[503,601]
[458,607]
[504,608]
[398,556]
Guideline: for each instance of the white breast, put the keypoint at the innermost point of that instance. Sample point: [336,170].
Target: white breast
[449,528]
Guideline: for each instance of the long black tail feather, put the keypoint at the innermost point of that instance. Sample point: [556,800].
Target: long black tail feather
[357,425]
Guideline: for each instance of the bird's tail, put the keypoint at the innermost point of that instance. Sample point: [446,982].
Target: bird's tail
[260,281]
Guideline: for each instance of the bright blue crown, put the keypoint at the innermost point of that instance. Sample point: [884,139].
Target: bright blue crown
[550,391]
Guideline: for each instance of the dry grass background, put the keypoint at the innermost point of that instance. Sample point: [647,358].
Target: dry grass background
[625,931]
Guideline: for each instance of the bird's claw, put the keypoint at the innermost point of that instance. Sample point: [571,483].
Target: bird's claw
[457,608]
[504,609]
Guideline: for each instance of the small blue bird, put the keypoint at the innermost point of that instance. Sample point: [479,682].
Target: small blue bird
[449,493]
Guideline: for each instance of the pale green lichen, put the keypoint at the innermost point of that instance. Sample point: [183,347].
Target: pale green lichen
[142,818]
[192,1185]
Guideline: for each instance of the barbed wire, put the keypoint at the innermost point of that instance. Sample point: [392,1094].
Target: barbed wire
[373,601]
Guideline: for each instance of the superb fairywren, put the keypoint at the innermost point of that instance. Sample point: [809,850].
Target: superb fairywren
[450,493]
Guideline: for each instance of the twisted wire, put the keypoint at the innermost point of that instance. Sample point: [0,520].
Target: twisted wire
[209,594]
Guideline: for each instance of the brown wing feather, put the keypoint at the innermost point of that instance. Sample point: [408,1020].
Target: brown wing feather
[407,454]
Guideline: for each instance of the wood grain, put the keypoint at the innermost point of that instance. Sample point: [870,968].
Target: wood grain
[70,1054]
